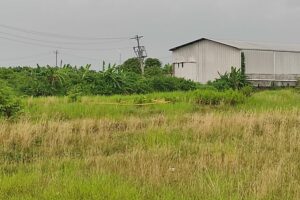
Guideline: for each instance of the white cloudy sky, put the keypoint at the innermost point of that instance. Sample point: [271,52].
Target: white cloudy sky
[163,23]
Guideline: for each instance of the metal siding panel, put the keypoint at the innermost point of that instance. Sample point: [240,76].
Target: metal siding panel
[187,55]
[210,58]
[218,58]
[287,63]
[187,71]
[259,62]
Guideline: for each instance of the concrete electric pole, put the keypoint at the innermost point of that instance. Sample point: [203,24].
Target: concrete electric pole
[56,57]
[140,52]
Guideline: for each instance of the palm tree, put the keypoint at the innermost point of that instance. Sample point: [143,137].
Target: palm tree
[55,76]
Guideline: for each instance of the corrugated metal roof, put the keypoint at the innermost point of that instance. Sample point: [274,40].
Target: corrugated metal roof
[243,45]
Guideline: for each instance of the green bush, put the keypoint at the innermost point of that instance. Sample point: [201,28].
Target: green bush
[75,94]
[10,105]
[235,79]
[167,83]
[212,97]
[247,90]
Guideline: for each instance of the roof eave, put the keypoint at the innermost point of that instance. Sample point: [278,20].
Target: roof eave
[199,40]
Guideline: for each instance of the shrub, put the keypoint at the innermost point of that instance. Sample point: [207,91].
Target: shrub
[235,80]
[167,83]
[154,71]
[75,94]
[10,105]
[231,97]
[186,85]
[247,90]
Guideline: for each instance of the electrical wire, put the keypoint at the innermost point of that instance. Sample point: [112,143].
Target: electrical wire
[31,60]
[87,58]
[25,58]
[60,47]
[61,42]
[55,35]
[82,57]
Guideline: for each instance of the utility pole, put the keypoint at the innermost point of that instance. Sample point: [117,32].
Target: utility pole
[140,52]
[56,57]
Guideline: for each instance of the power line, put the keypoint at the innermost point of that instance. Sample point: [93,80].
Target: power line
[29,60]
[55,35]
[60,47]
[88,58]
[82,57]
[25,57]
[61,42]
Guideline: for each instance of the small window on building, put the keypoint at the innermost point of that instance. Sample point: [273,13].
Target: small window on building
[182,64]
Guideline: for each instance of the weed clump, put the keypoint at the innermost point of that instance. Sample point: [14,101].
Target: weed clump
[10,105]
[214,98]
[247,90]
[75,94]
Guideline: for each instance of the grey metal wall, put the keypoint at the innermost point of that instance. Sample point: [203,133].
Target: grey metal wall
[287,63]
[203,60]
[217,58]
[186,62]
[259,62]
[272,65]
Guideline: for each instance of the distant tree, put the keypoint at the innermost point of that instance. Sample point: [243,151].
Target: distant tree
[153,67]
[131,65]
[152,62]
[54,76]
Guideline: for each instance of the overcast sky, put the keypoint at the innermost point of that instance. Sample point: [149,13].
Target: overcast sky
[163,23]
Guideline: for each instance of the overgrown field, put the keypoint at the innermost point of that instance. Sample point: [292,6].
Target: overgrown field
[180,145]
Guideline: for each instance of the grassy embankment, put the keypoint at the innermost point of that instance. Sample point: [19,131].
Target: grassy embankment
[93,150]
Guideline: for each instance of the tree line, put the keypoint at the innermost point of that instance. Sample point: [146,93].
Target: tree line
[112,79]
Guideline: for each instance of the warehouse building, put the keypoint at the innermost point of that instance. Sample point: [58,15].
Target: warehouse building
[266,64]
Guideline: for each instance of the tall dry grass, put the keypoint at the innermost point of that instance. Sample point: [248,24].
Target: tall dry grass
[237,155]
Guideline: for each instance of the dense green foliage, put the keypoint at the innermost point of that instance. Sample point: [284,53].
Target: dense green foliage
[10,105]
[131,65]
[68,80]
[235,79]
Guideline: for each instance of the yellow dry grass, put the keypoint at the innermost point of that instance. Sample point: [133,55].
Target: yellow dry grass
[236,155]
